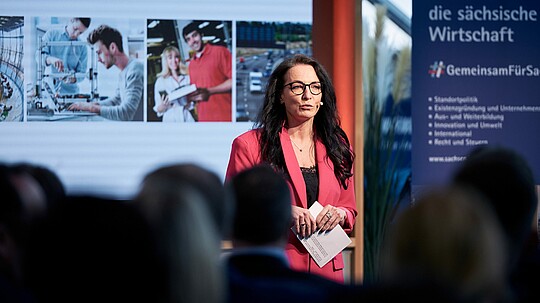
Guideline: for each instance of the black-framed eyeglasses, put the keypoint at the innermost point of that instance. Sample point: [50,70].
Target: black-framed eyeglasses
[299,88]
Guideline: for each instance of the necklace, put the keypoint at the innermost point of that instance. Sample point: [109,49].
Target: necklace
[299,148]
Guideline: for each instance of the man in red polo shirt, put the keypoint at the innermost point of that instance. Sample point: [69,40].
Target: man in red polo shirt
[210,69]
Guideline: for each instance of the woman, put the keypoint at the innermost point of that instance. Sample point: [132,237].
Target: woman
[172,76]
[299,134]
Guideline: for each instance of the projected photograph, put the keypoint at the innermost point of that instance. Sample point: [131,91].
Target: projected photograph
[189,71]
[260,47]
[86,69]
[11,69]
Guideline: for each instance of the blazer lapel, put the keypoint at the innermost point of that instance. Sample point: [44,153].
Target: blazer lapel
[326,171]
[293,168]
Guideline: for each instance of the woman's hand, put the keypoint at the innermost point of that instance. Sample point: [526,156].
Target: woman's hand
[165,104]
[330,217]
[303,221]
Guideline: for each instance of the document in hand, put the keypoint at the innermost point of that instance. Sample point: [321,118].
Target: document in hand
[324,246]
[182,91]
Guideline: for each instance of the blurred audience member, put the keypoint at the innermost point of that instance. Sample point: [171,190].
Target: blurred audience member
[14,226]
[50,183]
[257,268]
[506,179]
[449,243]
[177,201]
[23,203]
[93,250]
[31,193]
[205,182]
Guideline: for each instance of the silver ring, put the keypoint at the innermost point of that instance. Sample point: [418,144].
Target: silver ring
[328,215]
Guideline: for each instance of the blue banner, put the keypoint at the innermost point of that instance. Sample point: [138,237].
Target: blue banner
[475,80]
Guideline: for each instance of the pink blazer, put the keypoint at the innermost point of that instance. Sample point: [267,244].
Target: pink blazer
[245,153]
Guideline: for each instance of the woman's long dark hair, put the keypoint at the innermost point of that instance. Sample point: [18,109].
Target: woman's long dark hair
[326,123]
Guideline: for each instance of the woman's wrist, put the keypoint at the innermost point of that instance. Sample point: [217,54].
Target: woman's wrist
[342,214]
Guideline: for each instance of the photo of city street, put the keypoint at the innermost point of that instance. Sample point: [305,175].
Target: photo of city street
[260,47]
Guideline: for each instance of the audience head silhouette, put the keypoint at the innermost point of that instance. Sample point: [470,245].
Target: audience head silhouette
[450,241]
[505,178]
[182,207]
[262,191]
[214,196]
[48,180]
[21,206]
[13,226]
